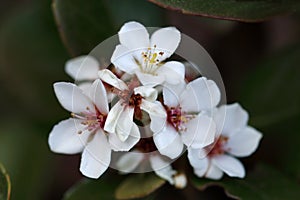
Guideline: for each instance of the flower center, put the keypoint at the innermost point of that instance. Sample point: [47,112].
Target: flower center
[218,148]
[91,120]
[151,60]
[177,118]
[146,145]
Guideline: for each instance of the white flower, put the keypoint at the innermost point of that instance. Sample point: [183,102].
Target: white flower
[145,151]
[236,139]
[84,131]
[83,68]
[137,54]
[183,104]
[132,99]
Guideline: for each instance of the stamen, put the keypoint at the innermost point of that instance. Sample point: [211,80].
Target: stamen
[218,147]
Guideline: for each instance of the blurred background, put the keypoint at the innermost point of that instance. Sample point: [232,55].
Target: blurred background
[259,62]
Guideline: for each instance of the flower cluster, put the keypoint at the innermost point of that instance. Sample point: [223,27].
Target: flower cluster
[108,107]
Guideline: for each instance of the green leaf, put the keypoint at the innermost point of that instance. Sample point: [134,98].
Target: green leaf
[5,186]
[240,10]
[32,58]
[271,93]
[81,24]
[140,185]
[264,182]
[104,188]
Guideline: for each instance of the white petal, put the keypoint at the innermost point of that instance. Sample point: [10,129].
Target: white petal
[64,137]
[166,40]
[158,122]
[98,96]
[235,117]
[129,161]
[147,92]
[82,68]
[200,132]
[117,145]
[111,79]
[123,59]
[149,79]
[173,72]
[125,123]
[201,164]
[200,94]
[134,35]
[85,87]
[113,117]
[214,172]
[162,168]
[153,108]
[72,98]
[96,156]
[230,165]
[168,142]
[244,142]
[171,94]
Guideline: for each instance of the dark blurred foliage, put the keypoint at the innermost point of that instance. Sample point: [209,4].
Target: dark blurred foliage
[32,58]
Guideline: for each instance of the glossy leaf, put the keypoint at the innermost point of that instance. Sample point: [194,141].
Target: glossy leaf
[264,182]
[248,11]
[5,186]
[140,185]
[104,188]
[82,24]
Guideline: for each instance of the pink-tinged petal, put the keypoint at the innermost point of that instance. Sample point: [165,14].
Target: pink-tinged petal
[173,72]
[214,172]
[96,156]
[82,68]
[149,93]
[168,142]
[200,94]
[134,35]
[171,94]
[200,132]
[72,98]
[129,161]
[110,78]
[230,165]
[124,59]
[166,40]
[125,123]
[117,145]
[230,118]
[201,164]
[99,97]
[244,142]
[65,138]
[162,168]
[113,117]
[149,79]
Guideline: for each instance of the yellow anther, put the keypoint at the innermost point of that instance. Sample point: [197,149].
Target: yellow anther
[153,59]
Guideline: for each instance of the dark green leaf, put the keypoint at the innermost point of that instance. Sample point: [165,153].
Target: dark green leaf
[5,186]
[264,182]
[140,185]
[104,188]
[82,25]
[240,10]
[271,93]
